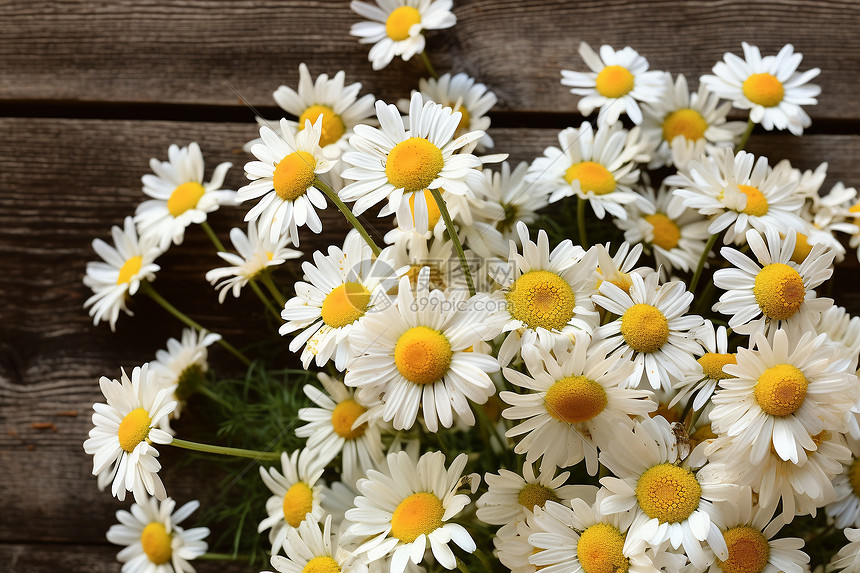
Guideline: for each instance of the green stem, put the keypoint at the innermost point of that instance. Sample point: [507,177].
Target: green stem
[449,224]
[462,566]
[483,559]
[266,302]
[213,237]
[580,222]
[223,557]
[330,193]
[147,289]
[745,137]
[225,451]
[426,59]
[266,278]
[702,259]
[213,396]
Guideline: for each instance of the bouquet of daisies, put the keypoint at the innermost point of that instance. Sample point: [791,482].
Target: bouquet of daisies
[596,386]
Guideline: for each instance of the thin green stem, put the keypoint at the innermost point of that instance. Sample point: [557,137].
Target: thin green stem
[147,289]
[213,237]
[266,302]
[580,222]
[225,451]
[353,220]
[702,260]
[449,224]
[426,59]
[482,557]
[266,278]
[201,388]
[462,566]
[223,557]
[745,137]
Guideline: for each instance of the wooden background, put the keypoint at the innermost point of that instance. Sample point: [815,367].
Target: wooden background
[89,91]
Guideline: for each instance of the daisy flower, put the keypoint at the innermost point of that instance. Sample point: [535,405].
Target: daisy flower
[777,294]
[179,195]
[617,82]
[125,429]
[770,87]
[617,268]
[256,253]
[127,263]
[155,543]
[848,557]
[310,549]
[653,329]
[404,158]
[297,493]
[843,330]
[601,167]
[512,546]
[283,180]
[343,288]
[702,381]
[409,508]
[395,26]
[571,405]
[845,509]
[420,352]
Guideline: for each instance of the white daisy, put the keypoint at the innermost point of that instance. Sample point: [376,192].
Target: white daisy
[703,380]
[845,509]
[777,294]
[179,195]
[256,253]
[618,80]
[283,180]
[310,549]
[343,288]
[572,404]
[513,548]
[118,277]
[618,268]
[843,330]
[436,253]
[848,557]
[402,512]
[155,543]
[125,429]
[770,87]
[652,329]
[396,26]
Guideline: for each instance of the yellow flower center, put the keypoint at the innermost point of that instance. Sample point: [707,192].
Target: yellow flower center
[129,268]
[400,20]
[763,89]
[322,564]
[535,494]
[420,513]
[687,122]
[781,390]
[712,364]
[542,299]
[298,502]
[854,476]
[748,550]
[621,280]
[293,175]
[413,164]
[344,416]
[668,493]
[333,127]
[801,249]
[465,120]
[592,177]
[666,232]
[133,429]
[756,201]
[599,549]
[645,328]
[422,355]
[189,381]
[779,291]
[575,399]
[433,213]
[345,304]
[854,209]
[156,543]
[614,81]
[185,197]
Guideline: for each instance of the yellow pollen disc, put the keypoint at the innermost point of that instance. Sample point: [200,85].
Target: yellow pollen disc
[854,476]
[614,81]
[801,249]
[333,127]
[156,543]
[413,164]
[420,513]
[592,177]
[712,364]
[465,120]
[185,197]
[748,550]
[599,549]
[644,328]
[344,416]
[535,494]
[854,209]
[133,429]
[422,355]
[763,89]
[668,493]
[779,291]
[189,381]
[433,213]
[293,175]
[129,268]
[575,399]
[781,390]
[345,304]
[687,122]
[542,299]
[756,201]
[666,232]
[400,20]
[321,564]
[298,502]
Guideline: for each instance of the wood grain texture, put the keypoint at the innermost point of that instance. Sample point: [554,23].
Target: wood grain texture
[193,52]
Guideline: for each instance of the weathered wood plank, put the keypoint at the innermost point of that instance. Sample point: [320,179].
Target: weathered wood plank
[193,52]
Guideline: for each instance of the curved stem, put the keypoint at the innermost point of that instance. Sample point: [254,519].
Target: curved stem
[426,59]
[330,193]
[202,389]
[266,302]
[449,224]
[702,260]
[745,137]
[225,451]
[580,222]
[213,237]
[266,279]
